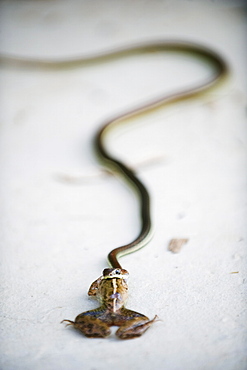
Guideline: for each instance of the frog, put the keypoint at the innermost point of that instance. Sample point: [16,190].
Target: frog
[111,290]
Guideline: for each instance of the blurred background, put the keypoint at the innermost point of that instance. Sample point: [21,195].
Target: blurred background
[61,213]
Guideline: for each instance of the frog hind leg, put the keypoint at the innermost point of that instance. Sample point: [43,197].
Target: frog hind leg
[90,324]
[135,326]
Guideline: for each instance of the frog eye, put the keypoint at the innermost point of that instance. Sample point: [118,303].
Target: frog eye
[117,272]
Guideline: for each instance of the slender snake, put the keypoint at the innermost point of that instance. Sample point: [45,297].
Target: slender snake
[220,71]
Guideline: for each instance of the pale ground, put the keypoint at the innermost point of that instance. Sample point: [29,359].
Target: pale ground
[58,226]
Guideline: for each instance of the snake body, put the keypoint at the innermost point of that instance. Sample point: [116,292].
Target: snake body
[220,71]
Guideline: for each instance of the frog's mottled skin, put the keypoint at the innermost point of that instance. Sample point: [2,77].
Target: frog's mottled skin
[111,290]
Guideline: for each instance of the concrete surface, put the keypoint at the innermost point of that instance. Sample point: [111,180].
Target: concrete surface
[60,216]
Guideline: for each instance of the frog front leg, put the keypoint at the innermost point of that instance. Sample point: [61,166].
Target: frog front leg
[134,327]
[90,324]
[93,290]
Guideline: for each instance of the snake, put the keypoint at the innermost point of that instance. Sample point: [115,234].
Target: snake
[111,289]
[220,71]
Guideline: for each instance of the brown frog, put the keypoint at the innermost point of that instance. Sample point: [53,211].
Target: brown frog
[111,290]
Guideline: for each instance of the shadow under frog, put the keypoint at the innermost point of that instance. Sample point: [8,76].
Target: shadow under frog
[111,290]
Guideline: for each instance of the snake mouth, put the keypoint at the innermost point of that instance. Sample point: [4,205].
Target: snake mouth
[115,273]
[108,277]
